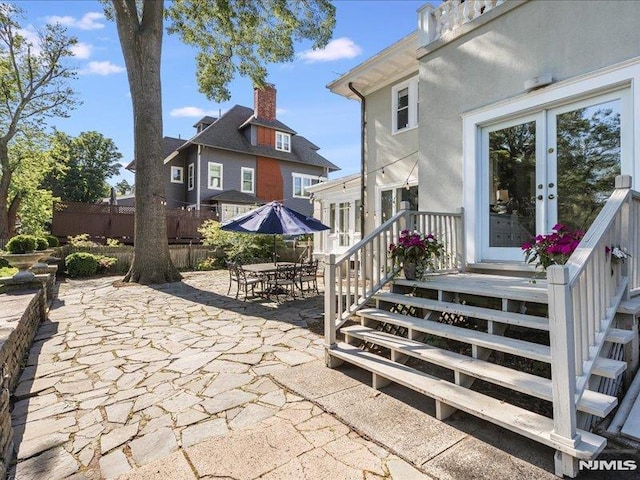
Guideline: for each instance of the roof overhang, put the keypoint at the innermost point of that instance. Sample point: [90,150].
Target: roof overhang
[384,68]
[347,181]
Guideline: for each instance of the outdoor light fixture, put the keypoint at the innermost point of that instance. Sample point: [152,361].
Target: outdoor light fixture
[538,82]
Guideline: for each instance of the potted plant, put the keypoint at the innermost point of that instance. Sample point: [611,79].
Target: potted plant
[416,252]
[22,254]
[554,248]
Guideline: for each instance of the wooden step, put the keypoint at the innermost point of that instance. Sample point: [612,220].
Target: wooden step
[631,306]
[449,395]
[494,342]
[608,368]
[603,367]
[591,402]
[509,318]
[485,285]
[619,335]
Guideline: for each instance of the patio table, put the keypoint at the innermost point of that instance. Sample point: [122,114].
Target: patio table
[268,272]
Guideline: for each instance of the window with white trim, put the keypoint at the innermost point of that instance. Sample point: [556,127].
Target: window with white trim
[283,141]
[404,100]
[301,182]
[176,175]
[215,176]
[191,177]
[247,183]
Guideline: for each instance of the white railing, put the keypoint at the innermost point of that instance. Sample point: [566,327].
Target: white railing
[584,295]
[354,277]
[433,23]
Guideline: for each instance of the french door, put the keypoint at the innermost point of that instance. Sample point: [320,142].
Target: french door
[552,166]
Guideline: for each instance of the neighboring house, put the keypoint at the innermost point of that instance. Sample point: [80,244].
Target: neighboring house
[389,84]
[337,204]
[528,117]
[242,159]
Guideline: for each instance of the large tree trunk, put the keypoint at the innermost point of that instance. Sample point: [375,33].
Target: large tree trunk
[141,43]
[6,228]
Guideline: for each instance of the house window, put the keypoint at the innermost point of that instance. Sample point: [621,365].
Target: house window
[343,224]
[283,141]
[358,209]
[302,182]
[228,211]
[176,175]
[247,180]
[191,177]
[332,218]
[405,105]
[215,176]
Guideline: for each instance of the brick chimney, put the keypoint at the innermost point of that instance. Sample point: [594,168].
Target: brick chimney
[264,102]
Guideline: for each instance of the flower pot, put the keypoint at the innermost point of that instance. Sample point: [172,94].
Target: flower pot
[23,261]
[409,270]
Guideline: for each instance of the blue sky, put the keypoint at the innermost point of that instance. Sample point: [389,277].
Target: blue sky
[363,28]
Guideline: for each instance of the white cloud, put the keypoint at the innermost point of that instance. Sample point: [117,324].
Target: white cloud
[335,50]
[191,112]
[101,68]
[89,21]
[281,111]
[82,50]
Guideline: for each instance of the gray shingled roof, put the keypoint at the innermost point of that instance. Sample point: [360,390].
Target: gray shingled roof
[169,145]
[234,196]
[263,122]
[206,120]
[226,134]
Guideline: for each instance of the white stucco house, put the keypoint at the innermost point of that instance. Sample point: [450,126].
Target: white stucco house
[503,119]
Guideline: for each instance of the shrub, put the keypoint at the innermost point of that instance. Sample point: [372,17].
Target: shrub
[81,240]
[239,247]
[52,240]
[8,271]
[81,264]
[211,263]
[113,242]
[22,244]
[105,263]
[41,243]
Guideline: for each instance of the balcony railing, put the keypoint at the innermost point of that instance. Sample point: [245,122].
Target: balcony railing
[433,23]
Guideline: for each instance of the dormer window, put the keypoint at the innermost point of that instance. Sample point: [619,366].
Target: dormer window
[283,142]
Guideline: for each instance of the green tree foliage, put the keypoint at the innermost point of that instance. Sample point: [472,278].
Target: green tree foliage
[30,162]
[238,36]
[233,36]
[123,187]
[33,88]
[83,165]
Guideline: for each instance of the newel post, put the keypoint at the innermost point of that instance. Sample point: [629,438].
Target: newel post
[404,220]
[563,367]
[626,228]
[330,302]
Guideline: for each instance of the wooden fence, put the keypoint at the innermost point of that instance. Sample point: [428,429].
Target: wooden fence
[102,221]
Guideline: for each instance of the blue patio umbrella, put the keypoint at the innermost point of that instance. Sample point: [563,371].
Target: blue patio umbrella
[274,218]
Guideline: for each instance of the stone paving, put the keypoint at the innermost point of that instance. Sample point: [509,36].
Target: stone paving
[174,382]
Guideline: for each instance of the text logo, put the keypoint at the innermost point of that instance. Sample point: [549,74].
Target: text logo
[610,465]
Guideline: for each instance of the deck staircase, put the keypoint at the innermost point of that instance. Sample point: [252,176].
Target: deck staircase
[544,359]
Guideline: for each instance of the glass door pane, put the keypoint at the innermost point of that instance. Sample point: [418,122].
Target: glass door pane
[512,185]
[587,162]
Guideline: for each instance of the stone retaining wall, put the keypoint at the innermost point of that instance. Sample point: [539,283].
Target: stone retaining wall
[21,312]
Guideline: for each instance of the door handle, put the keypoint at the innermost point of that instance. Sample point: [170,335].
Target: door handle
[551,197]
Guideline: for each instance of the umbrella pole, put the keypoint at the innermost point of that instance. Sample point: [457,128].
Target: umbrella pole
[275,252]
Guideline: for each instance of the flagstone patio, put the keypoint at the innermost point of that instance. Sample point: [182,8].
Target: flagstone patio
[174,382]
